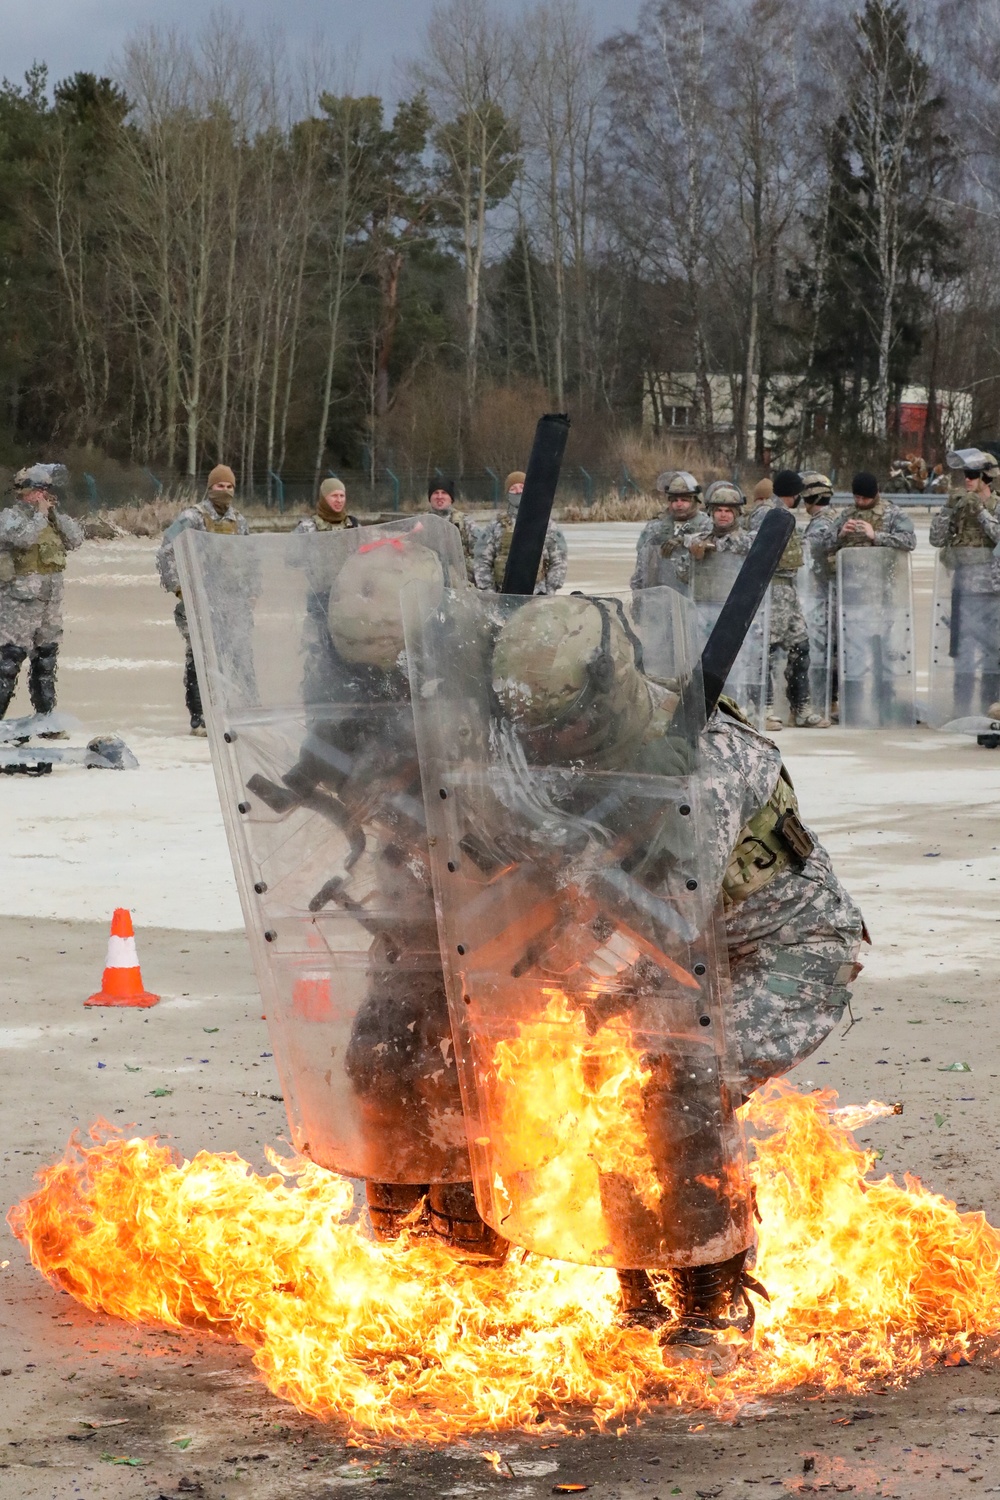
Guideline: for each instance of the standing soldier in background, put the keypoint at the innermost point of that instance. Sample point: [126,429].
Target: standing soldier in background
[34,539]
[331,509]
[966,529]
[818,586]
[724,503]
[493,547]
[875,665]
[217,514]
[761,495]
[788,626]
[872,521]
[661,558]
[441,501]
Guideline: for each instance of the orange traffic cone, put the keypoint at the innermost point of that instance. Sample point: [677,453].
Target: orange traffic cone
[122,980]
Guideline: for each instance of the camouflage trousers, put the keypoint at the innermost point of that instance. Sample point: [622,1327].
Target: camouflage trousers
[235,650]
[31,611]
[788,623]
[793,951]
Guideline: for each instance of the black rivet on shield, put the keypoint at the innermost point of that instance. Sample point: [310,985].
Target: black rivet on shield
[452,866]
[467,999]
[260,887]
[684,810]
[269,936]
[692,885]
[461,948]
[243,807]
[443,795]
[699,969]
[704,1020]
[229,736]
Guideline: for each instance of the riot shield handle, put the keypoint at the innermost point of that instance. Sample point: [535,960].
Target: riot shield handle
[745,598]
[535,509]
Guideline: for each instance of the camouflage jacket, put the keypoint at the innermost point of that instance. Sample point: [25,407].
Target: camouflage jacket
[662,541]
[893,527]
[492,545]
[793,557]
[737,540]
[818,542]
[31,542]
[200,517]
[966,521]
[318,523]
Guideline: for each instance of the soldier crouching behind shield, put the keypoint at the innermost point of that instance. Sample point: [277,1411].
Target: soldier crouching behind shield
[358,768]
[569,681]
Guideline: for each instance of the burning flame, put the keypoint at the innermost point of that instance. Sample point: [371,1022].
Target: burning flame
[569,1108]
[869,1281]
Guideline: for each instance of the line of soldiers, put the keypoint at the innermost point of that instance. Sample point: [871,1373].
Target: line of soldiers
[485,547]
[693,526]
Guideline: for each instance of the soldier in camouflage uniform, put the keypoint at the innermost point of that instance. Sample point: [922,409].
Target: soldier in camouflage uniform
[331,509]
[661,557]
[789,633]
[793,933]
[872,521]
[724,503]
[35,536]
[818,579]
[967,529]
[492,547]
[217,514]
[441,500]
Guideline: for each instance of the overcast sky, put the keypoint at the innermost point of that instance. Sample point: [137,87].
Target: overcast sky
[86,34]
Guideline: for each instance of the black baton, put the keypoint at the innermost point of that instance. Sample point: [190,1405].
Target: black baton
[745,598]
[540,480]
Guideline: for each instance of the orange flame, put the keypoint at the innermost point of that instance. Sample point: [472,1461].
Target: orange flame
[869,1280]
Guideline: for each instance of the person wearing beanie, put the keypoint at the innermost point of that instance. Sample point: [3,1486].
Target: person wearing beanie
[217,514]
[870,626]
[441,500]
[492,546]
[661,555]
[789,633]
[35,536]
[331,509]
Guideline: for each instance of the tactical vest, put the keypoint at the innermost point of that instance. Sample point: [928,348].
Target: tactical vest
[792,558]
[773,840]
[219,526]
[322,524]
[875,516]
[47,555]
[965,528]
[503,552]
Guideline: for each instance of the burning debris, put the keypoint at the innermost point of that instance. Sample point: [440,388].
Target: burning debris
[869,1281]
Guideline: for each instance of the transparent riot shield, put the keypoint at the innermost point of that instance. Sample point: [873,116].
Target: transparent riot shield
[965,639]
[662,560]
[817,595]
[577,912]
[320,787]
[711,580]
[875,629]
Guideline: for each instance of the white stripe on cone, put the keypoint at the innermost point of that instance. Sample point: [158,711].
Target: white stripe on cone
[122,953]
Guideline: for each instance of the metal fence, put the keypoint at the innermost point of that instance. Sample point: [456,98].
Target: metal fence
[386,490]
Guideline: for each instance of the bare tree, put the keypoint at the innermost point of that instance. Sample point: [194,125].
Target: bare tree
[467,73]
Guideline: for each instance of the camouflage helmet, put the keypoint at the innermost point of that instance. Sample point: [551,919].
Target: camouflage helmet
[42,477]
[365,614]
[723,492]
[679,483]
[567,678]
[815,486]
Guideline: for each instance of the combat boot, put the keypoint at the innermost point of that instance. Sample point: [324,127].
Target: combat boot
[715,1317]
[390,1205]
[192,697]
[42,685]
[456,1220]
[11,658]
[808,718]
